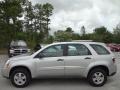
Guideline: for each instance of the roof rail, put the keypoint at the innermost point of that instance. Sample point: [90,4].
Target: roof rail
[82,40]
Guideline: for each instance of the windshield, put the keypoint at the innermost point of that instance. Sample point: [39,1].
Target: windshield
[18,43]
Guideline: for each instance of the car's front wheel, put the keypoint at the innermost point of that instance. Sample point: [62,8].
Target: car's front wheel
[97,77]
[20,78]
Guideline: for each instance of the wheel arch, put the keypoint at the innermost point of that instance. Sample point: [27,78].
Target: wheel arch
[20,67]
[105,68]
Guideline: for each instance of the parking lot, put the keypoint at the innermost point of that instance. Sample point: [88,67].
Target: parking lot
[113,83]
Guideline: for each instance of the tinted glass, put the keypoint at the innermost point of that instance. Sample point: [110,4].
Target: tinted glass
[53,51]
[78,50]
[100,49]
[18,43]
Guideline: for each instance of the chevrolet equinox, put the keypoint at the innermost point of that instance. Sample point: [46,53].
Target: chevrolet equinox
[92,60]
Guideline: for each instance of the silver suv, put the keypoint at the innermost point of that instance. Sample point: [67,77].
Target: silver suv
[91,60]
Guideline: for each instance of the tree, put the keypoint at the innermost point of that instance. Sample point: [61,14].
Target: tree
[83,32]
[83,35]
[75,36]
[42,13]
[116,36]
[117,30]
[66,35]
[29,16]
[38,18]
[10,11]
[35,26]
[62,36]
[48,10]
[69,29]
[102,34]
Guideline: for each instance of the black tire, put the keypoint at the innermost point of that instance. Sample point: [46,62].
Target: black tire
[99,82]
[23,71]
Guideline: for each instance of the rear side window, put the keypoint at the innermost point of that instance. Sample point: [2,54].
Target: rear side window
[77,50]
[101,50]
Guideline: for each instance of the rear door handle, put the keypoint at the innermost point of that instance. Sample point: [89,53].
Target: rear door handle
[87,58]
[60,60]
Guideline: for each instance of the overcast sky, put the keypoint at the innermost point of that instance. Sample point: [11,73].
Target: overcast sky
[90,13]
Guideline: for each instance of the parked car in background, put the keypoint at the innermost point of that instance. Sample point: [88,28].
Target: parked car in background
[91,60]
[114,47]
[17,47]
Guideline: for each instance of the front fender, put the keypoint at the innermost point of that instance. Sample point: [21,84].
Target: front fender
[30,66]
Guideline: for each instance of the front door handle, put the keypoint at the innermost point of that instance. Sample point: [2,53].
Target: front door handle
[87,58]
[60,60]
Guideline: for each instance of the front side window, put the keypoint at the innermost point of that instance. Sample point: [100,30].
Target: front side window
[53,51]
[100,49]
[78,50]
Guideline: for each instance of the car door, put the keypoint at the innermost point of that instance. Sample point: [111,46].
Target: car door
[78,58]
[50,61]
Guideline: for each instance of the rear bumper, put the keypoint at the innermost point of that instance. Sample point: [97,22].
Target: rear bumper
[112,70]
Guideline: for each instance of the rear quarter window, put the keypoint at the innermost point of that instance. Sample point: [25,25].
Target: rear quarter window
[101,50]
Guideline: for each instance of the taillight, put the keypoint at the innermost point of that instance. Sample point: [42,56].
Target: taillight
[113,60]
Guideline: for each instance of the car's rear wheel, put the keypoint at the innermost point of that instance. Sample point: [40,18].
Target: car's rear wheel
[20,78]
[97,77]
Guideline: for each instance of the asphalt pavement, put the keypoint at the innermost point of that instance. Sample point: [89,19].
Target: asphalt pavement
[113,82]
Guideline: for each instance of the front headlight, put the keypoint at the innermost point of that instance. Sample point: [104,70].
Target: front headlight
[11,51]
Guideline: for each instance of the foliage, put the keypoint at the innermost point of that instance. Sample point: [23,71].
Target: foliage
[10,11]
[83,32]
[34,27]
[102,35]
[116,37]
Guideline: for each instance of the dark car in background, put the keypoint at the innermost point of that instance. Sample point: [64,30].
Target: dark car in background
[17,47]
